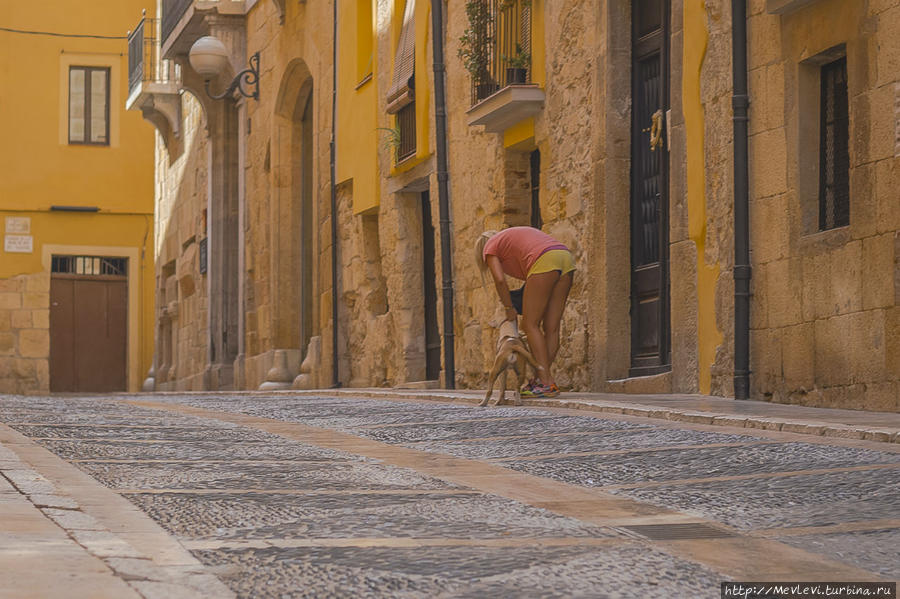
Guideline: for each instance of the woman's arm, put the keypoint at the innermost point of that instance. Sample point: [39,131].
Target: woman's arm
[493,263]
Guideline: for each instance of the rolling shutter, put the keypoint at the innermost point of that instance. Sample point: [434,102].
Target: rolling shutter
[402,90]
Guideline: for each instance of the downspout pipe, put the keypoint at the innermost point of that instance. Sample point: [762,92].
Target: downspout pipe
[335,369]
[443,178]
[742,272]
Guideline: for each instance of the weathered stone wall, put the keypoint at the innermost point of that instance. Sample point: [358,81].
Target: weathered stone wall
[485,177]
[825,304]
[295,55]
[25,334]
[181,306]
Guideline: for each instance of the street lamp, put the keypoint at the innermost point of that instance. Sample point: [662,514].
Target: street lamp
[209,57]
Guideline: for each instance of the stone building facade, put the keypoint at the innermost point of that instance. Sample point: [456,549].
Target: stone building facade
[619,143]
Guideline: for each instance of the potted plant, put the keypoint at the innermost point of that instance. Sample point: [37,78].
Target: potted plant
[391,141]
[517,66]
[475,47]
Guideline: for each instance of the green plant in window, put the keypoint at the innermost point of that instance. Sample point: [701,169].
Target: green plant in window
[391,140]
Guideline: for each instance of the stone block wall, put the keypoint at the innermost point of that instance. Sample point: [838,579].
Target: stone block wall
[25,334]
[824,306]
[181,305]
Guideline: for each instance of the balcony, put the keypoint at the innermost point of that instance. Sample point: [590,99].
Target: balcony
[496,50]
[152,83]
[183,21]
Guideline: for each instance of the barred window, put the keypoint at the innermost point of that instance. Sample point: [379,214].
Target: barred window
[89,265]
[406,122]
[834,153]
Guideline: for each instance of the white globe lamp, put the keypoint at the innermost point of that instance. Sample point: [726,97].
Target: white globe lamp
[209,57]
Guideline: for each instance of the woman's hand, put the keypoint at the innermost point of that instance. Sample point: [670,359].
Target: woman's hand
[511,314]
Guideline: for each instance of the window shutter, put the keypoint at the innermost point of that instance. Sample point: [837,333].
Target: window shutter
[402,91]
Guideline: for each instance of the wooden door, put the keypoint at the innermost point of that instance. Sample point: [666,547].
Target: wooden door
[649,189]
[88,333]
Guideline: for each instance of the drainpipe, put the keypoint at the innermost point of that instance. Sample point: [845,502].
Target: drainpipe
[742,273]
[335,375]
[440,124]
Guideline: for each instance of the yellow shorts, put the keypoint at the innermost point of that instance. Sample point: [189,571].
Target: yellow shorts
[550,260]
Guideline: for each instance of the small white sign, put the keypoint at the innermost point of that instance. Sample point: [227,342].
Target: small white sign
[22,244]
[20,225]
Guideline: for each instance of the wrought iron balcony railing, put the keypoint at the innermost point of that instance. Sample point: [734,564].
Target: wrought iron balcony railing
[144,64]
[497,45]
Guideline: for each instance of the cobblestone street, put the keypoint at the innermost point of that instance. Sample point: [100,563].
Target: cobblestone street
[284,495]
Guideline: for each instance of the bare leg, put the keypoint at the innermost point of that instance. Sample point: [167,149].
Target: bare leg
[553,314]
[538,289]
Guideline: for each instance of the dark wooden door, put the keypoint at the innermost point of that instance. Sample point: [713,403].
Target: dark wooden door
[432,333]
[88,333]
[649,189]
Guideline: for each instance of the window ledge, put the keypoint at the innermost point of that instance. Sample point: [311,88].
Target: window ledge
[820,242]
[507,107]
[780,7]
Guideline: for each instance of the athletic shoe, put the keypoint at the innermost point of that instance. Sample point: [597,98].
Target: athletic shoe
[540,390]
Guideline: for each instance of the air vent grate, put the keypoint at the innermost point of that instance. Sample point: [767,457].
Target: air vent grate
[676,532]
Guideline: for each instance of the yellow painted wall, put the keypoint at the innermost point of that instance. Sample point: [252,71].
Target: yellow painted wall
[38,168]
[696,37]
[357,134]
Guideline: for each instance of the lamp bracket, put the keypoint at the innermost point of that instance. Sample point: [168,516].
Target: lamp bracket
[248,77]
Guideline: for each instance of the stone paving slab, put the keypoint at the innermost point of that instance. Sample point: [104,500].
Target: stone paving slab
[464,572]
[266,516]
[878,550]
[647,437]
[162,433]
[700,409]
[662,465]
[237,475]
[785,501]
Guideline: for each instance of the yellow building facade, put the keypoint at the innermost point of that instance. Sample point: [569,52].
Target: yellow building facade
[76,202]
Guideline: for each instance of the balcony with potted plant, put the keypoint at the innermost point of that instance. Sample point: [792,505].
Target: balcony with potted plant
[495,50]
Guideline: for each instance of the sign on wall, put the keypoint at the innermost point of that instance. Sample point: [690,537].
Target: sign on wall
[19,225]
[21,244]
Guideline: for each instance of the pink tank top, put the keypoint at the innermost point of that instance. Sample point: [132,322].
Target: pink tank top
[518,248]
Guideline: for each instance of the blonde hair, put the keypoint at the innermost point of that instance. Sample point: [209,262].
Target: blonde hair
[479,252]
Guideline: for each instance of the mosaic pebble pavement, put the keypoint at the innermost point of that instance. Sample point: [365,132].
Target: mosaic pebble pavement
[273,517]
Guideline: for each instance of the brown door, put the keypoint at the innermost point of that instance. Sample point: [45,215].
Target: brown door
[649,189]
[88,319]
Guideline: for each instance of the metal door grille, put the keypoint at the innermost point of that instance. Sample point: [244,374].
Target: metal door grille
[89,265]
[649,78]
[834,163]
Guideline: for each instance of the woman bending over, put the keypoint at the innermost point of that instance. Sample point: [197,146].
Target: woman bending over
[547,267]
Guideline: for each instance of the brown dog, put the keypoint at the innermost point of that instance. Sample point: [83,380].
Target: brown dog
[511,355]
